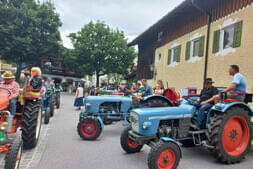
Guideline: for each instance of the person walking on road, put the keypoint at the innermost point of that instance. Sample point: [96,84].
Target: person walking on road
[79,97]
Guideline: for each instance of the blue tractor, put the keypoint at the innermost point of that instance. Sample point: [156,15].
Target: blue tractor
[48,105]
[226,132]
[104,110]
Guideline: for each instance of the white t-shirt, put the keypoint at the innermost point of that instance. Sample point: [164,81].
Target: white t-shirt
[80,93]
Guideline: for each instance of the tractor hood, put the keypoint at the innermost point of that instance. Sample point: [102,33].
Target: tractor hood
[92,103]
[107,98]
[146,121]
[4,100]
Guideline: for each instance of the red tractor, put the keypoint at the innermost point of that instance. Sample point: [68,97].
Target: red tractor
[27,117]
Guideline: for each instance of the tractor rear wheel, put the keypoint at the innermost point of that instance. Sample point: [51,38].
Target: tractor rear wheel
[14,154]
[128,144]
[231,133]
[89,128]
[156,102]
[164,155]
[31,124]
[47,116]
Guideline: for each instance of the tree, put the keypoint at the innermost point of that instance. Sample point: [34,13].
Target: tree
[101,50]
[28,31]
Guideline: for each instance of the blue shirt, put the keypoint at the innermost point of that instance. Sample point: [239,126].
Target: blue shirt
[241,83]
[147,90]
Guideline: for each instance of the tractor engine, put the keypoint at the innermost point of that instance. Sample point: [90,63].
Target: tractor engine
[110,107]
[175,129]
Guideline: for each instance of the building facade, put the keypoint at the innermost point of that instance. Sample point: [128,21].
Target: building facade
[176,45]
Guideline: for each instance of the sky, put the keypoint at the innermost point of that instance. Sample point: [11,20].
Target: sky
[131,16]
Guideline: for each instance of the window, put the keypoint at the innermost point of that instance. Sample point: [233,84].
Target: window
[160,36]
[174,55]
[227,37]
[195,48]
[159,57]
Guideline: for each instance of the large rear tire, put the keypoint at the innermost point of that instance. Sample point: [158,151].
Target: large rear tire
[231,134]
[164,155]
[89,128]
[127,144]
[14,154]
[32,124]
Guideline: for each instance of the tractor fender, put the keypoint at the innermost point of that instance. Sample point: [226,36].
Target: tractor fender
[146,98]
[101,122]
[223,107]
[168,139]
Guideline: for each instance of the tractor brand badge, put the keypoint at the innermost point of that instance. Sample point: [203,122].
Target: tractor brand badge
[133,119]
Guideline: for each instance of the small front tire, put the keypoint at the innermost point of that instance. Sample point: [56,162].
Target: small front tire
[164,155]
[127,144]
[89,128]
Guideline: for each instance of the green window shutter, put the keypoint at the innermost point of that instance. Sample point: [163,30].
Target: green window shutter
[178,53]
[216,41]
[169,56]
[187,51]
[201,46]
[237,34]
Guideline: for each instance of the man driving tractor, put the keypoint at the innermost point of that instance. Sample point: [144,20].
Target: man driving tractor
[205,101]
[13,87]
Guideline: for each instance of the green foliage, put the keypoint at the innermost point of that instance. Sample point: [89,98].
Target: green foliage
[101,50]
[28,31]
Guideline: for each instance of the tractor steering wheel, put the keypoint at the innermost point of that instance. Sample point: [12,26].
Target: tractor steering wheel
[9,93]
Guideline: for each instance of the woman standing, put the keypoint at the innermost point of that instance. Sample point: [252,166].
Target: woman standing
[79,97]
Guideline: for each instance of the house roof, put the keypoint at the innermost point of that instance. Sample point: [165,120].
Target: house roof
[182,9]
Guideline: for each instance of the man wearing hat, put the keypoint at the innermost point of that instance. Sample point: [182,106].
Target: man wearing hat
[12,86]
[206,101]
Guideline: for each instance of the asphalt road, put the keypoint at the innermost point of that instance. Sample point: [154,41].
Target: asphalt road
[65,149]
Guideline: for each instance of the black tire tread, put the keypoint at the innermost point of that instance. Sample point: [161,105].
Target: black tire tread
[157,149]
[11,157]
[215,129]
[29,124]
[89,118]
[123,142]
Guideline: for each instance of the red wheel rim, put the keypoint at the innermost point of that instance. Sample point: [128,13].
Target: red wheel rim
[132,144]
[89,129]
[166,159]
[235,136]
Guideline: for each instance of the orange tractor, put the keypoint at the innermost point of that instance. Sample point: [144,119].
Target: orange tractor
[27,117]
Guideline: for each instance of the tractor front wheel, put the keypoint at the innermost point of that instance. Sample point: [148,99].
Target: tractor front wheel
[52,106]
[47,116]
[58,100]
[128,144]
[14,154]
[89,128]
[231,133]
[31,124]
[164,155]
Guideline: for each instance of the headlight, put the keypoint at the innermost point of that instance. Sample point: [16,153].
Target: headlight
[146,125]
[3,126]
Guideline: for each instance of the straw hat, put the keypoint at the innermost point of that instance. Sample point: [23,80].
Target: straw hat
[8,75]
